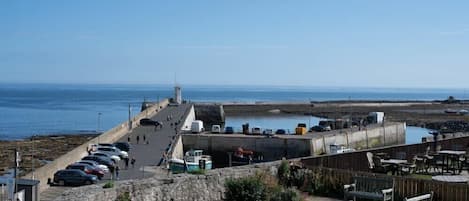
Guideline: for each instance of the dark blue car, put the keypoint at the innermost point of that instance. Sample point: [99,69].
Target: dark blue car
[229,130]
[74,177]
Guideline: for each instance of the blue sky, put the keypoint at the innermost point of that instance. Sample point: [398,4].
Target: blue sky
[311,43]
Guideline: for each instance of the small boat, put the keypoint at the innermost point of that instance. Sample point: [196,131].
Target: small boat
[194,160]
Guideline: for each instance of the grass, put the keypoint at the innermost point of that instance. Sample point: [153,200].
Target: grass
[199,171]
[109,184]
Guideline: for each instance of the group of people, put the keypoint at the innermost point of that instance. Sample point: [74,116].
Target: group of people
[138,139]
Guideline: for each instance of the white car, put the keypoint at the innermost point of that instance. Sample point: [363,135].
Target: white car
[94,163]
[113,151]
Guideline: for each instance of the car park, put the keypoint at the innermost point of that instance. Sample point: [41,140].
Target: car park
[88,169]
[95,164]
[74,177]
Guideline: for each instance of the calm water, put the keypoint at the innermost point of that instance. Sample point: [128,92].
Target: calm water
[413,134]
[27,109]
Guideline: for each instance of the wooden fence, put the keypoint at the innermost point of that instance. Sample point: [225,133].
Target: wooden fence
[358,161]
[334,179]
[338,169]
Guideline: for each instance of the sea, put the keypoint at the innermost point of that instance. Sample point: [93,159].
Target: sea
[44,109]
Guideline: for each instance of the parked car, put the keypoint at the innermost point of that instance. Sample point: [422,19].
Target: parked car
[113,151]
[268,132]
[281,131]
[229,130]
[114,158]
[216,128]
[101,160]
[197,126]
[88,169]
[124,146]
[74,177]
[256,130]
[106,144]
[94,164]
[148,122]
[320,128]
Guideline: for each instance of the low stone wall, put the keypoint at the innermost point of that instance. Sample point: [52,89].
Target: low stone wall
[181,187]
[391,133]
[110,136]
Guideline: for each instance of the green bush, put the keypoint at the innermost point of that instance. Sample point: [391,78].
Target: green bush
[245,189]
[283,173]
[285,195]
[109,184]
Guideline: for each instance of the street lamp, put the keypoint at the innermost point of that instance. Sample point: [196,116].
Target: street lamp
[99,125]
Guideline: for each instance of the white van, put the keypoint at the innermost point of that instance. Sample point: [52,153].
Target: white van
[256,130]
[216,128]
[197,126]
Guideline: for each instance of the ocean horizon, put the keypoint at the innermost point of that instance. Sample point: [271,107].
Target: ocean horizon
[38,109]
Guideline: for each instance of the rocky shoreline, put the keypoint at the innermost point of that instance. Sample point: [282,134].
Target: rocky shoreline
[430,114]
[39,150]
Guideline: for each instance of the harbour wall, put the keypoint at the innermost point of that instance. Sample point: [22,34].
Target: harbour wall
[377,135]
[47,171]
[292,146]
[181,187]
[190,117]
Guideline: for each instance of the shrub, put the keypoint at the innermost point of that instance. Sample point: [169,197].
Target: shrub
[283,173]
[245,189]
[123,197]
[109,184]
[285,195]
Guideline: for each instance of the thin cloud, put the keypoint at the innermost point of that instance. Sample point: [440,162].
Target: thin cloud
[228,47]
[455,32]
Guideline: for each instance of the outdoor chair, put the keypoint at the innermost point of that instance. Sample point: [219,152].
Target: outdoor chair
[420,163]
[408,168]
[377,167]
[437,163]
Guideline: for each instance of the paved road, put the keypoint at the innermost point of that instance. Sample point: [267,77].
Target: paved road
[147,153]
[150,153]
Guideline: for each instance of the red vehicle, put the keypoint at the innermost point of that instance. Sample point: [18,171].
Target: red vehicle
[88,169]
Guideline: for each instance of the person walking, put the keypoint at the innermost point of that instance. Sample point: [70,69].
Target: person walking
[126,160]
[128,139]
[132,162]
[117,172]
[138,138]
[144,138]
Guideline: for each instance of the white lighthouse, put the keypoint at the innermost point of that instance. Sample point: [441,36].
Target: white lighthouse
[177,94]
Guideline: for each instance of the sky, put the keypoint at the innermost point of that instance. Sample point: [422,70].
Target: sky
[419,43]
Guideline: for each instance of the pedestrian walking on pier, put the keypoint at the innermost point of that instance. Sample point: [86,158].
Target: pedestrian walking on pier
[117,172]
[128,139]
[138,138]
[126,160]
[132,162]
[144,138]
